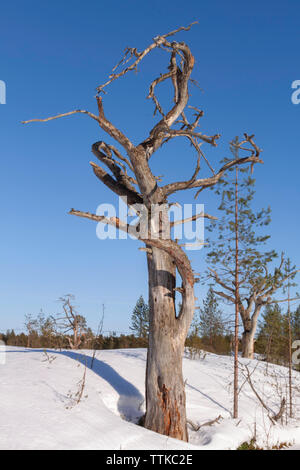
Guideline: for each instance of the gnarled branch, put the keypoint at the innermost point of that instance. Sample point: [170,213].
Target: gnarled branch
[192,219]
[158,42]
[117,187]
[104,153]
[208,182]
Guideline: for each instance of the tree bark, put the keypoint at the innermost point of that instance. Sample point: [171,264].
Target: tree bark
[248,343]
[250,325]
[165,393]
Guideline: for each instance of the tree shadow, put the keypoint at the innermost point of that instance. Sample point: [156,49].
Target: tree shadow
[136,354]
[130,398]
[209,398]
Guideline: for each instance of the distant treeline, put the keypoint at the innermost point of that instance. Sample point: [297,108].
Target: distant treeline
[218,344]
[209,331]
[36,340]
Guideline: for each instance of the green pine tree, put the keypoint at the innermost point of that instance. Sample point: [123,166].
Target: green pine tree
[257,284]
[296,324]
[271,340]
[140,319]
[209,322]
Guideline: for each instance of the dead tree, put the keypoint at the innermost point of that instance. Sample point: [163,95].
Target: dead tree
[165,393]
[71,322]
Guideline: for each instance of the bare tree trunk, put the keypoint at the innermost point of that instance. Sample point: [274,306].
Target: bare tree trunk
[290,354]
[236,324]
[248,344]
[165,393]
[250,326]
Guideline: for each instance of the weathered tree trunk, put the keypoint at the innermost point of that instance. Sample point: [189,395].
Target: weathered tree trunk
[250,325]
[248,344]
[165,393]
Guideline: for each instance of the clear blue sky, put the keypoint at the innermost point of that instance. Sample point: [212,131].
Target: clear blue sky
[52,57]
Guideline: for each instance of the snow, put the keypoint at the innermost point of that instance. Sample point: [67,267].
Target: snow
[39,409]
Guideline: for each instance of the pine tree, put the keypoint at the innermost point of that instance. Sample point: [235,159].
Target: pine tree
[271,340]
[11,338]
[296,332]
[46,328]
[288,331]
[140,319]
[256,285]
[209,322]
[296,324]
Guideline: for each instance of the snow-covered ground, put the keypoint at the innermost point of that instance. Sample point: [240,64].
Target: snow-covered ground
[39,409]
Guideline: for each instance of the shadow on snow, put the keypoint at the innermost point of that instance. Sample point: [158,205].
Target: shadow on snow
[130,398]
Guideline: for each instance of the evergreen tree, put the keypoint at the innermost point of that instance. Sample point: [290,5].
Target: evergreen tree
[209,322]
[46,328]
[296,324]
[140,319]
[288,333]
[256,285]
[296,331]
[11,338]
[271,339]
